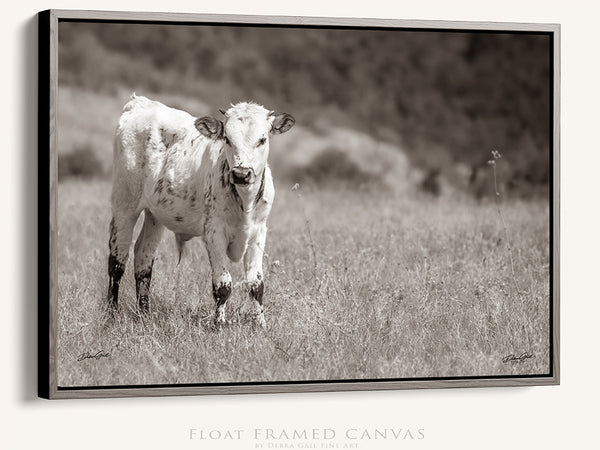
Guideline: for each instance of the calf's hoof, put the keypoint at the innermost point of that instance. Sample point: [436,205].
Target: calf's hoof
[110,309]
[144,305]
[109,316]
[259,321]
[219,323]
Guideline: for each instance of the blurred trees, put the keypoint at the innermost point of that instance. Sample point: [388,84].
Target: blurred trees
[448,97]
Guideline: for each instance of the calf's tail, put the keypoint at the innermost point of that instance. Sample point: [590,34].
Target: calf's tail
[180,240]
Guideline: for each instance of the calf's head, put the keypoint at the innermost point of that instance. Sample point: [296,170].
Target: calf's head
[245,135]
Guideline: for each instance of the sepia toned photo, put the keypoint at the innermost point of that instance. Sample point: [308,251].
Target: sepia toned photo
[261,204]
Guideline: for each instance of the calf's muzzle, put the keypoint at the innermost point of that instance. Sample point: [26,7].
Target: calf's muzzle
[241,175]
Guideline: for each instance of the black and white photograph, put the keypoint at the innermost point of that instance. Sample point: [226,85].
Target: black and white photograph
[299,225]
[266,204]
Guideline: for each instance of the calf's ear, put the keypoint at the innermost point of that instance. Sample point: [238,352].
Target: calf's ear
[282,123]
[209,127]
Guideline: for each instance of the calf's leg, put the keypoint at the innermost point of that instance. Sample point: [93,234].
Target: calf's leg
[216,245]
[121,231]
[254,274]
[145,247]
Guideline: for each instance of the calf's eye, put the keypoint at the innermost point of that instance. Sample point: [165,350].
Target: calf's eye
[227,140]
[262,142]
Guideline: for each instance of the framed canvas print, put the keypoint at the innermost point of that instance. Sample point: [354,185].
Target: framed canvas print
[248,204]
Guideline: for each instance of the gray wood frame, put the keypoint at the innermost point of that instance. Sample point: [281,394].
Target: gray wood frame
[48,180]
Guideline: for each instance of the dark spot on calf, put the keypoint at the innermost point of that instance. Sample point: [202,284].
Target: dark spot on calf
[115,268]
[113,234]
[261,189]
[168,139]
[225,174]
[159,186]
[162,201]
[221,292]
[164,137]
[178,219]
[257,290]
[170,190]
[115,272]
[236,196]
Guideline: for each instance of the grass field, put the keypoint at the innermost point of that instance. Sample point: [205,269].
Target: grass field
[360,283]
[386,285]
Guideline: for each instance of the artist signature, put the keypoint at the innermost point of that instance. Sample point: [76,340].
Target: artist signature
[96,356]
[512,358]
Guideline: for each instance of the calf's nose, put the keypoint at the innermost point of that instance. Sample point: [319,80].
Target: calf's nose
[241,175]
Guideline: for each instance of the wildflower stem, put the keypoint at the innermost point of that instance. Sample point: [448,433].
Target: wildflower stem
[308,229]
[504,226]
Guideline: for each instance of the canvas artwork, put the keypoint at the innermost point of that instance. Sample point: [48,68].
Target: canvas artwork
[259,204]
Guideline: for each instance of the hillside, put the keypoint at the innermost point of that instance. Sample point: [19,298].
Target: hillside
[445,98]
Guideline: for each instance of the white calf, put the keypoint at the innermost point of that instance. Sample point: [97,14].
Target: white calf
[197,177]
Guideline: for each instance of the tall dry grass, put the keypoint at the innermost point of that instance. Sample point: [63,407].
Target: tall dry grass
[397,287]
